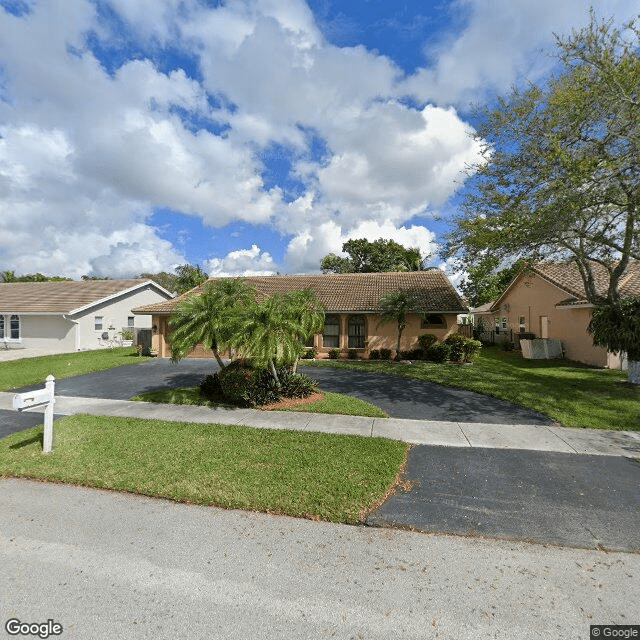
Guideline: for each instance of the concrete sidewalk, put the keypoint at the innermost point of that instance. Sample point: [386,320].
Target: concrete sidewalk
[426,432]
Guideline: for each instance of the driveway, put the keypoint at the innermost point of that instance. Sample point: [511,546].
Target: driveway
[399,397]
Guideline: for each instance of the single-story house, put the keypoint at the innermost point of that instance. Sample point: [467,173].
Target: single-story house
[352,319]
[73,315]
[549,300]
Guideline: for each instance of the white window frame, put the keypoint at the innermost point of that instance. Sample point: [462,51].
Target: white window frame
[7,328]
[97,326]
[131,321]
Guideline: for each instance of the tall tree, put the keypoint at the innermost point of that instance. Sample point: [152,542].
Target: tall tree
[560,176]
[10,276]
[396,307]
[485,281]
[188,277]
[369,257]
[210,318]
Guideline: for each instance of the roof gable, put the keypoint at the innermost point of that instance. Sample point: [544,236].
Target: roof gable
[65,297]
[566,277]
[349,292]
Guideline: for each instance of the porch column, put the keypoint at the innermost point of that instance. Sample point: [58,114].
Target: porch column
[344,332]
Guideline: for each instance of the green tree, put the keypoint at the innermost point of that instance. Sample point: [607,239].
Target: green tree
[396,307]
[10,276]
[559,178]
[485,282]
[188,277]
[210,318]
[273,332]
[164,279]
[372,257]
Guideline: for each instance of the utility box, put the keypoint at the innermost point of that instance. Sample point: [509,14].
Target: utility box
[541,349]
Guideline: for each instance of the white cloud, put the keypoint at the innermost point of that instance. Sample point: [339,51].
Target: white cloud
[502,41]
[244,262]
[87,153]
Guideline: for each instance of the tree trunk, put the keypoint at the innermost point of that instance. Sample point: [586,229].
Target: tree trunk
[633,373]
[400,330]
[216,355]
[274,373]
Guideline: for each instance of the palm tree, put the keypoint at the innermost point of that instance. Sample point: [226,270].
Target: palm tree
[396,307]
[274,331]
[210,318]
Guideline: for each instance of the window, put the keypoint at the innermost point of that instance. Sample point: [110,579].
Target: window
[10,327]
[433,320]
[98,321]
[130,321]
[331,333]
[523,324]
[501,324]
[357,332]
[15,328]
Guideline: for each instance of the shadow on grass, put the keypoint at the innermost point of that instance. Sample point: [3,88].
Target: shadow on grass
[26,443]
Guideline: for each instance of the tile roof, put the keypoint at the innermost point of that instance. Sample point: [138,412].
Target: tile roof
[59,297]
[349,292]
[565,276]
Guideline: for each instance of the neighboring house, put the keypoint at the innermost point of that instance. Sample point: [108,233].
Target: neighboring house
[548,300]
[73,315]
[352,319]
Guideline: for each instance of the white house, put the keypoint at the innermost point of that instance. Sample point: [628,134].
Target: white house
[73,315]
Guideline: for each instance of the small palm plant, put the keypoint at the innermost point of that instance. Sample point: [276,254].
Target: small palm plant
[209,318]
[396,307]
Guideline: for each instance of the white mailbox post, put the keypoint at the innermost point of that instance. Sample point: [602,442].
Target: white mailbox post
[32,399]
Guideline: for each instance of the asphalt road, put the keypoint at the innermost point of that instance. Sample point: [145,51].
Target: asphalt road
[109,565]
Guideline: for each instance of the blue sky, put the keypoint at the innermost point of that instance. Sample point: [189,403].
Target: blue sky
[248,136]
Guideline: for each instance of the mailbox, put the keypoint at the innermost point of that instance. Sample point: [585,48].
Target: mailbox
[30,399]
[22,401]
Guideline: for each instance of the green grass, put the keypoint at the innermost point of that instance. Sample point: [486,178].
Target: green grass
[335,478]
[574,395]
[335,403]
[21,373]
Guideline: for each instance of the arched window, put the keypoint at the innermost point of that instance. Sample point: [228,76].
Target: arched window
[357,332]
[331,333]
[433,321]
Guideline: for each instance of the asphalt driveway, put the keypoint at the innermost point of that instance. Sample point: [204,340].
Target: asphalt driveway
[399,397]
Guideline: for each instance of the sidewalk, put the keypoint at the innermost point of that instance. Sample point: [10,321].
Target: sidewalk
[449,434]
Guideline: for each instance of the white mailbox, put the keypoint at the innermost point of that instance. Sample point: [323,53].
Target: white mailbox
[32,399]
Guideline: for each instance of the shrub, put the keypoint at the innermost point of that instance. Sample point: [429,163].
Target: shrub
[438,352]
[412,354]
[374,354]
[385,354]
[210,387]
[426,340]
[296,385]
[310,354]
[456,343]
[334,354]
[353,354]
[471,349]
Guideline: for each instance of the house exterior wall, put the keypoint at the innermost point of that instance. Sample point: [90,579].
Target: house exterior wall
[45,332]
[535,299]
[377,335]
[114,313]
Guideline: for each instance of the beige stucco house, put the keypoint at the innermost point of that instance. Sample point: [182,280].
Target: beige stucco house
[73,315]
[548,300]
[352,320]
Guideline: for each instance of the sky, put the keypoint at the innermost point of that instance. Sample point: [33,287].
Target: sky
[249,136]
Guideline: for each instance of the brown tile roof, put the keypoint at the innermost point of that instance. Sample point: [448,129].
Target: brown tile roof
[349,292]
[59,297]
[565,276]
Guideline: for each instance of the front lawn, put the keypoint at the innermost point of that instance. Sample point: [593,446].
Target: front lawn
[317,475]
[334,403]
[574,395]
[21,373]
